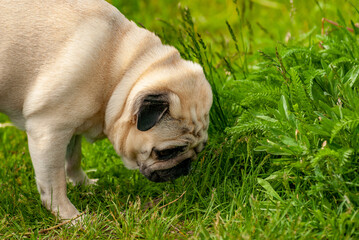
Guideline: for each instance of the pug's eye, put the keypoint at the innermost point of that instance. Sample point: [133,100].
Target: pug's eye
[169,153]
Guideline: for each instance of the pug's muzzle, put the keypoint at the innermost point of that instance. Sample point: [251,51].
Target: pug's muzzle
[182,169]
[175,157]
[169,164]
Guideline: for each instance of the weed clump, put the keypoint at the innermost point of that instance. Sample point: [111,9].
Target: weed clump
[287,127]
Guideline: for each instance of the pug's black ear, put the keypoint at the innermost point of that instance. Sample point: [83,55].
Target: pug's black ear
[151,110]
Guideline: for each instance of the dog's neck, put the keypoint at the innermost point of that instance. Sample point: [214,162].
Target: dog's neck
[137,52]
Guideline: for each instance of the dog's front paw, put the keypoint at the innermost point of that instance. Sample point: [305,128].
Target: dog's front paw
[77,221]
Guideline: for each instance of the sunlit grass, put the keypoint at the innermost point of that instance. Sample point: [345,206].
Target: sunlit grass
[282,157]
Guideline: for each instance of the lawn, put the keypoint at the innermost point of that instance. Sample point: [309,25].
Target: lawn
[282,159]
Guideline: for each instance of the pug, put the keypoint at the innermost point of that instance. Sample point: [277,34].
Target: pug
[75,68]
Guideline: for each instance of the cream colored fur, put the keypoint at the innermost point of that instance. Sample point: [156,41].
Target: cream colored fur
[79,67]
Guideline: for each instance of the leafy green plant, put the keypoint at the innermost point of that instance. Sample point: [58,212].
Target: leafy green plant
[314,127]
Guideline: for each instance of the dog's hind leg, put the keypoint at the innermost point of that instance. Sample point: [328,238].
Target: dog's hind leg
[74,171]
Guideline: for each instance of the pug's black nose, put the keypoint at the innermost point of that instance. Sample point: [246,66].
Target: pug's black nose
[182,169]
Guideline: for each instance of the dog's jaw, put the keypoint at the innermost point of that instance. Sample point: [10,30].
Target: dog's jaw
[181,169]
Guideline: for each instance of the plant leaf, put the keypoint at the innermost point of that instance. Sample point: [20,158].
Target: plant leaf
[269,189]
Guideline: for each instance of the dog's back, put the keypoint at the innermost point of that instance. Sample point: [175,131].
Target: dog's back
[32,33]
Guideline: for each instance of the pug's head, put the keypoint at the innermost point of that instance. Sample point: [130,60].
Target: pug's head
[164,123]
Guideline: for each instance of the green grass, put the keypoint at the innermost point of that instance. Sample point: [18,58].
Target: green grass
[282,161]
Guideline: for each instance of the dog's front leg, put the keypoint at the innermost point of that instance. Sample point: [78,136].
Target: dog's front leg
[73,163]
[48,151]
